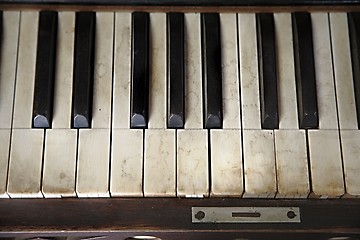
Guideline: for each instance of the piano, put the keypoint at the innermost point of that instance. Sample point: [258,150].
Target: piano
[181,119]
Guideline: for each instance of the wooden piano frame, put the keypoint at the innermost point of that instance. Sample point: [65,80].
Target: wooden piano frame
[171,218]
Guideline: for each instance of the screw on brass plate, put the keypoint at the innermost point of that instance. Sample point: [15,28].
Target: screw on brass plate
[291,214]
[200,215]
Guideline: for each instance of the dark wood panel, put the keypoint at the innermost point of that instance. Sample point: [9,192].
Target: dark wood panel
[167,217]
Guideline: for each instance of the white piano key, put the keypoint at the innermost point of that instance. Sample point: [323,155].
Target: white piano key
[159,156]
[351,154]
[192,163]
[64,70]
[122,67]
[159,163]
[193,72]
[290,143]
[230,77]
[25,165]
[325,164]
[25,77]
[4,159]
[158,77]
[226,163]
[59,169]
[249,77]
[9,48]
[342,71]
[126,163]
[94,144]
[346,102]
[288,118]
[325,88]
[93,163]
[103,65]
[291,164]
[324,144]
[259,163]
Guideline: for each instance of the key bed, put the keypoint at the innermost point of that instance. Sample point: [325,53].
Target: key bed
[125,143]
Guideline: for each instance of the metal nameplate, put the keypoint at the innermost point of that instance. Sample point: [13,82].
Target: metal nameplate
[246,215]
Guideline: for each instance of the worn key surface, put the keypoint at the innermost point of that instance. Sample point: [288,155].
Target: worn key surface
[45,70]
[83,69]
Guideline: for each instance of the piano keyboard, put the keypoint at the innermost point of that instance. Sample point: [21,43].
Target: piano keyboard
[179,105]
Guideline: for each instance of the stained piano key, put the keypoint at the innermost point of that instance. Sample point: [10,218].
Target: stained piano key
[83,69]
[346,102]
[354,31]
[157,71]
[126,176]
[59,169]
[292,172]
[93,166]
[191,177]
[126,172]
[94,144]
[45,70]
[258,144]
[304,70]
[212,75]
[291,164]
[25,163]
[259,164]
[193,73]
[122,71]
[324,143]
[226,163]
[249,75]
[159,143]
[176,71]
[8,58]
[192,163]
[25,73]
[267,71]
[350,141]
[230,71]
[159,153]
[226,144]
[140,70]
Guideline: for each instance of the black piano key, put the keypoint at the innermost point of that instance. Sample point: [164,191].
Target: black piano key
[175,42]
[267,70]
[83,69]
[305,70]
[45,70]
[140,70]
[354,32]
[212,75]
